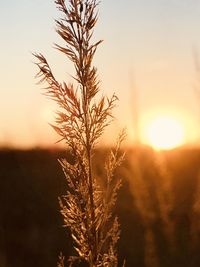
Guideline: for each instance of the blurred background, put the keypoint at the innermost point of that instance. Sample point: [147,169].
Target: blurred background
[150,59]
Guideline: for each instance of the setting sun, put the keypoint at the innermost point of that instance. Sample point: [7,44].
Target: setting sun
[165,133]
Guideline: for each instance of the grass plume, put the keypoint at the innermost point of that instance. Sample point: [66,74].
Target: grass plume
[87,209]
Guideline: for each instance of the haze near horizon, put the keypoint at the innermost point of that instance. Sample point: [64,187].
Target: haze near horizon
[146,58]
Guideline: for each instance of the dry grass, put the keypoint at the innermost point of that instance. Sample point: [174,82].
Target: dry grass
[87,208]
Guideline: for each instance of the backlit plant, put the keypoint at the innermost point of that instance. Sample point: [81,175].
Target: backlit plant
[87,207]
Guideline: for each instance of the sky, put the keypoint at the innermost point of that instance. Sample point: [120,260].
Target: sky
[147,59]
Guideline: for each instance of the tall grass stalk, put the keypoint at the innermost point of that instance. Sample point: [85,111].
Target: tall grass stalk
[87,208]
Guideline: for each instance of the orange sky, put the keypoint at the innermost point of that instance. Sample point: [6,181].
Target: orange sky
[147,52]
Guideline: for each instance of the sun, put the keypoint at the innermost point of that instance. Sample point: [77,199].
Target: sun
[165,132]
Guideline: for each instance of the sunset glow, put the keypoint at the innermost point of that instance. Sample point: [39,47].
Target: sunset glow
[165,133]
[146,59]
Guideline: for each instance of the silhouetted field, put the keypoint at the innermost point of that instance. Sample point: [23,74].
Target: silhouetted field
[158,207]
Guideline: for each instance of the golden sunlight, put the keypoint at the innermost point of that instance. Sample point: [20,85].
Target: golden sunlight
[165,132]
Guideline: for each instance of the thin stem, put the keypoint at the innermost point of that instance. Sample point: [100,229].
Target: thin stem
[91,194]
[90,179]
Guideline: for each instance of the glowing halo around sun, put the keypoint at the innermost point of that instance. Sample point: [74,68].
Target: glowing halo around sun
[164,132]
